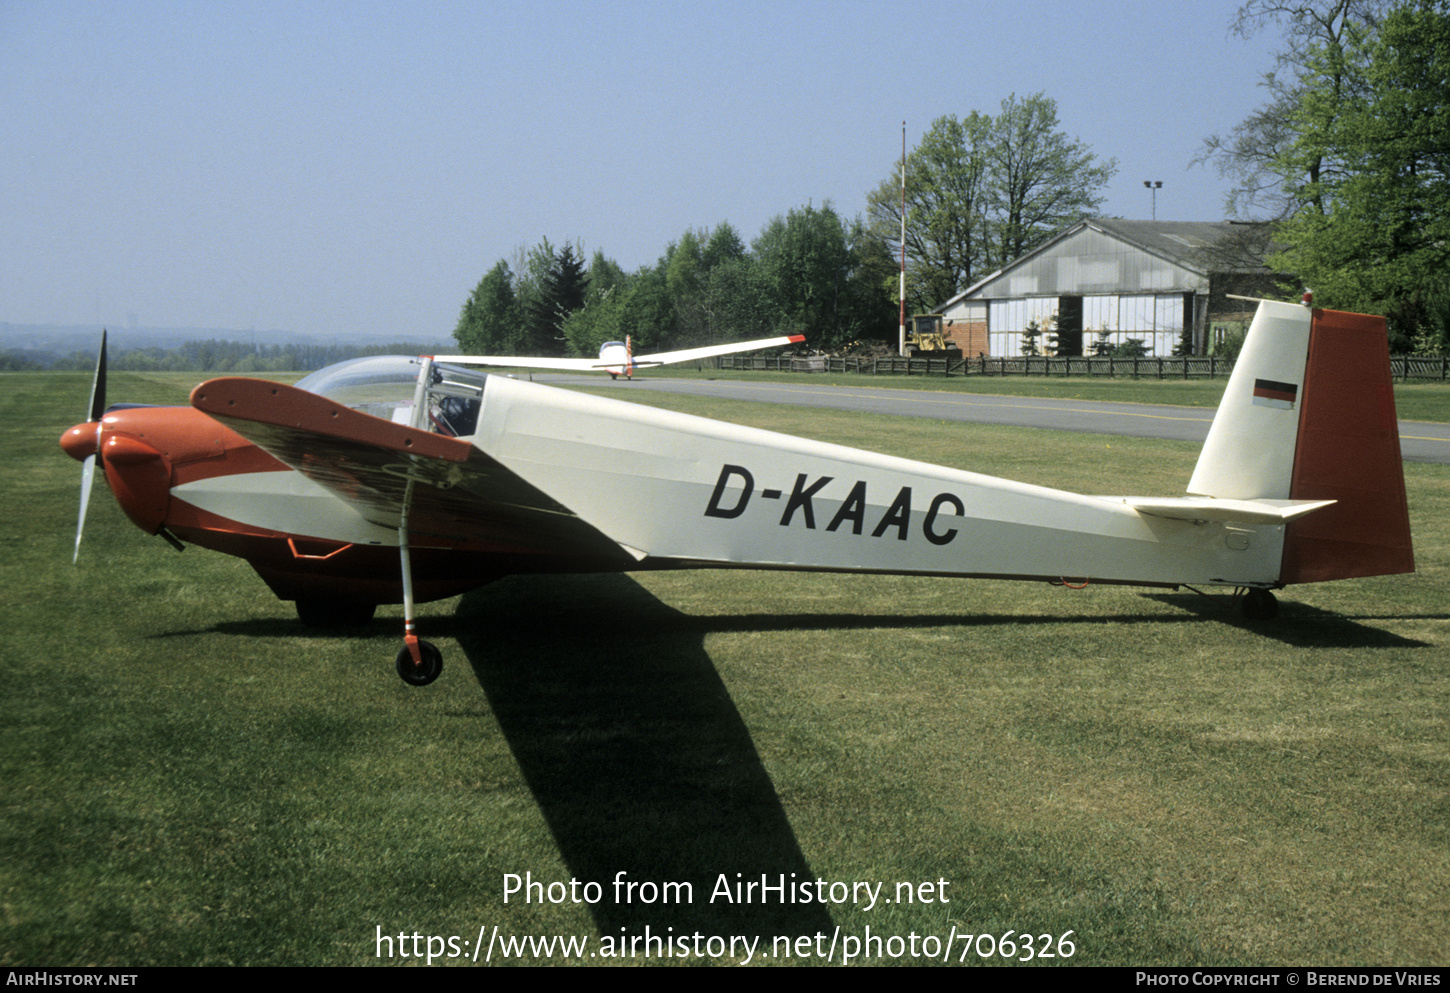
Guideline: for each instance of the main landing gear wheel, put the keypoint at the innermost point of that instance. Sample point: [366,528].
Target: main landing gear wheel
[429,670]
[1260,605]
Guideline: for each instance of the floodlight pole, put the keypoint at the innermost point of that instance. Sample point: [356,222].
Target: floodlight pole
[1154,185]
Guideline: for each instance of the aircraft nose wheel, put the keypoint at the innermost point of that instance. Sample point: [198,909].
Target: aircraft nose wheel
[429,670]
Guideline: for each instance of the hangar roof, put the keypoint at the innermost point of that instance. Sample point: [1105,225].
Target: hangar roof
[1102,255]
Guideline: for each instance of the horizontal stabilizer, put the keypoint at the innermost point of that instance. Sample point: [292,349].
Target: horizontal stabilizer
[1228,511]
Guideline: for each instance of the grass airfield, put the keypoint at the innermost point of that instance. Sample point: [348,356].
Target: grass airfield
[193,778]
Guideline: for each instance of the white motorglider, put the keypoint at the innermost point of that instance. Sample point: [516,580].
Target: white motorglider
[394,479]
[618,359]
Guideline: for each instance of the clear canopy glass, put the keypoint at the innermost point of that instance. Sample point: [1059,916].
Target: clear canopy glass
[384,386]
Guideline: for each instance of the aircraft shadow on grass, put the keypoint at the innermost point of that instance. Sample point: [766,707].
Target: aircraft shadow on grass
[638,758]
[636,754]
[1298,624]
[684,624]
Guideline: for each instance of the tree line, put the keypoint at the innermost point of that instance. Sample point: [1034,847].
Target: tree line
[980,191]
[1350,156]
[809,272]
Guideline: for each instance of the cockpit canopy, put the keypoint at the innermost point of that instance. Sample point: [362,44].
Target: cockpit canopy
[385,385]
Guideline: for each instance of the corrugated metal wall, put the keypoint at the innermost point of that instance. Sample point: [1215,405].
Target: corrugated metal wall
[1156,318]
[1006,320]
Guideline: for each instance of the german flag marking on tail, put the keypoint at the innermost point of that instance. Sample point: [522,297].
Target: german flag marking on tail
[1268,393]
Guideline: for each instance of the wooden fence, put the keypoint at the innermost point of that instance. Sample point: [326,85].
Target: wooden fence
[1192,367]
[1402,367]
[1406,367]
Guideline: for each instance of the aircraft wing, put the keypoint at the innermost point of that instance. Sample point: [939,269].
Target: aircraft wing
[525,362]
[461,496]
[710,351]
[594,365]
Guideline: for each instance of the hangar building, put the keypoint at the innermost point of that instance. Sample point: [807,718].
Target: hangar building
[1163,282]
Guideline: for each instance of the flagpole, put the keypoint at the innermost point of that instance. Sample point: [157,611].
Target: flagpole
[901,334]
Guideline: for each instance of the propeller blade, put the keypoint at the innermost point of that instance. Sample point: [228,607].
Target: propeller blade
[88,467]
[98,385]
[88,476]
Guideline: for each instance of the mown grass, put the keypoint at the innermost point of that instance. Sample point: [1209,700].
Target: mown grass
[193,778]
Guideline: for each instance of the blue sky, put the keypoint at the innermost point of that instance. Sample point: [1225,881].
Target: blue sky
[330,168]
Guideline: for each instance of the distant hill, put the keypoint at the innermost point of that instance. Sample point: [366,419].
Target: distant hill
[47,346]
[82,337]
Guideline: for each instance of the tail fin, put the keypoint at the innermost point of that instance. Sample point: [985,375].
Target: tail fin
[1249,453]
[1348,451]
[1309,414]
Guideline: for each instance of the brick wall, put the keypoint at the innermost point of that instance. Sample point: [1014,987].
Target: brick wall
[969,336]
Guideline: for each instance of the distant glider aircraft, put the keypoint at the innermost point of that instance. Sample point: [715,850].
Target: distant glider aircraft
[618,359]
[394,479]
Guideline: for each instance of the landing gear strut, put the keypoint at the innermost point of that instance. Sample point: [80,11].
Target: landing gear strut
[420,662]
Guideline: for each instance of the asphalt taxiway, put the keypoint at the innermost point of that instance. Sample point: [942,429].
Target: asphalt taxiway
[1420,441]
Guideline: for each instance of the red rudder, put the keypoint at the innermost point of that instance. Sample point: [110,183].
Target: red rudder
[1348,450]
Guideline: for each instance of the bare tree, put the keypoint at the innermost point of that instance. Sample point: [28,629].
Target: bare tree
[1253,152]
